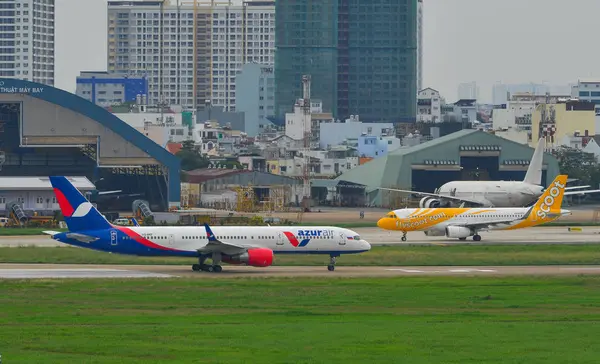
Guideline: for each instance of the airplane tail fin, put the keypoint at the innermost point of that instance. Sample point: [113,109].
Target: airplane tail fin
[78,212]
[209,233]
[534,172]
[548,206]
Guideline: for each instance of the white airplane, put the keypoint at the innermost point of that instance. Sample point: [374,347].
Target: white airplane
[250,245]
[493,193]
[460,223]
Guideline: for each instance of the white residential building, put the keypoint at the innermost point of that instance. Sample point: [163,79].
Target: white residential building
[588,90]
[429,106]
[517,114]
[191,53]
[502,93]
[27,42]
[297,124]
[337,133]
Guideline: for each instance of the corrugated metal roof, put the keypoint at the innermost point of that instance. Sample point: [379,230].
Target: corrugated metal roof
[434,142]
[207,174]
[41,183]
[327,183]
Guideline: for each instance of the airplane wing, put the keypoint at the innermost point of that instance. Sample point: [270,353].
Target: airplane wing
[426,194]
[576,187]
[216,245]
[567,193]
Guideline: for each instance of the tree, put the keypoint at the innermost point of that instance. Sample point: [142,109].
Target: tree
[578,164]
[190,158]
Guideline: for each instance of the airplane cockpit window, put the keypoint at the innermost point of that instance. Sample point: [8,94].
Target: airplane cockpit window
[391,214]
[357,237]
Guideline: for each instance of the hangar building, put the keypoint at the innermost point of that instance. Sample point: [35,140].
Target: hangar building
[464,155]
[243,190]
[47,131]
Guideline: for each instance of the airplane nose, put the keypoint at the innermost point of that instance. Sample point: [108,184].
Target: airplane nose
[380,223]
[365,245]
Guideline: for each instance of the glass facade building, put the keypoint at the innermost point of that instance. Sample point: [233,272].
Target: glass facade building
[361,54]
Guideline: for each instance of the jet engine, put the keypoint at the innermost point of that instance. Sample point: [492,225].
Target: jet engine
[257,257]
[434,232]
[429,202]
[458,232]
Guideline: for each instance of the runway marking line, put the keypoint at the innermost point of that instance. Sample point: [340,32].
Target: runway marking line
[442,271]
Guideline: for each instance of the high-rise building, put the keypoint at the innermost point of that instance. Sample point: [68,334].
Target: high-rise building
[191,50]
[419,44]
[27,40]
[361,55]
[255,96]
[468,90]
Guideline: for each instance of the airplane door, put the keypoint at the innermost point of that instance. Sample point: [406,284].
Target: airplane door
[342,239]
[171,240]
[280,240]
[113,237]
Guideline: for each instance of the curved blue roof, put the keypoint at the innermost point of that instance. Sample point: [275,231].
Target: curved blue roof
[86,108]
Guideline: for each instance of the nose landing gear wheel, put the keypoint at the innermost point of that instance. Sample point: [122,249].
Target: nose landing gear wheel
[331,266]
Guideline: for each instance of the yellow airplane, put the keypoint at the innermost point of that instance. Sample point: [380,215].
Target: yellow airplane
[460,223]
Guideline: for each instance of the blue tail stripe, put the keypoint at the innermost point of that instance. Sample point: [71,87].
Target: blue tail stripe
[304,242]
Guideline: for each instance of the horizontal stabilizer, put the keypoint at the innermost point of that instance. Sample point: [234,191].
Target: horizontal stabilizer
[81,237]
[50,232]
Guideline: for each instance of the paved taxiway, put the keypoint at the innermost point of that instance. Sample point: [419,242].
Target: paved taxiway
[376,236]
[32,271]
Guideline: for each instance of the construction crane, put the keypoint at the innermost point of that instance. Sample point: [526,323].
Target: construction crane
[307,124]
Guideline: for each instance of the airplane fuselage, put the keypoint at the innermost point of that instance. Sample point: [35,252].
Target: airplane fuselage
[186,240]
[493,193]
[438,219]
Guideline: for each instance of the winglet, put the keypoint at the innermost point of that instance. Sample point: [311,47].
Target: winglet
[209,234]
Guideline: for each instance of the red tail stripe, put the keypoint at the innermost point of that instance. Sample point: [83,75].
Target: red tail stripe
[140,239]
[291,238]
[65,207]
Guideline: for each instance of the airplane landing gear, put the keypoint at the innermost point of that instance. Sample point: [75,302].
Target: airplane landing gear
[331,266]
[404,236]
[476,237]
[202,267]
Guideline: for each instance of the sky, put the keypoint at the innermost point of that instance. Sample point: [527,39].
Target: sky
[486,41]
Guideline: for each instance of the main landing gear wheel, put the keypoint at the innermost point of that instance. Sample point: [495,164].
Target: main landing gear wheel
[202,267]
[404,236]
[331,266]
[476,237]
[462,238]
